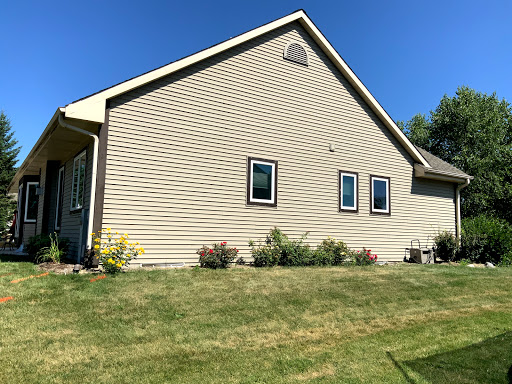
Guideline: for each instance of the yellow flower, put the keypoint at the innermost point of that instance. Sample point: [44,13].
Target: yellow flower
[92,234]
[126,241]
[117,233]
[118,265]
[126,235]
[97,246]
[137,243]
[122,261]
[108,229]
[109,260]
[98,240]
[109,236]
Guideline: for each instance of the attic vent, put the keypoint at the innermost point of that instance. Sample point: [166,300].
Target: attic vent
[296,52]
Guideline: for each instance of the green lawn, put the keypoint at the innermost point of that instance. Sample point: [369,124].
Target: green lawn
[380,324]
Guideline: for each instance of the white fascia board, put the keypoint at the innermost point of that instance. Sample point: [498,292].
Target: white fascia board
[361,89]
[92,108]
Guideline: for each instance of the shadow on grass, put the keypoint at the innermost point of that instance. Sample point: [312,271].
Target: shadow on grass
[15,258]
[486,362]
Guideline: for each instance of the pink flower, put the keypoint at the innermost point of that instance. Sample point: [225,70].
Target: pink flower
[211,250]
[237,250]
[375,256]
[224,243]
[369,250]
[202,253]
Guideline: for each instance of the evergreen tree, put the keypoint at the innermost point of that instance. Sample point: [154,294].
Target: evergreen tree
[8,154]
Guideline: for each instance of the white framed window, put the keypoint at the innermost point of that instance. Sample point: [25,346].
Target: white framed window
[78,186]
[349,191]
[60,195]
[31,200]
[261,182]
[380,191]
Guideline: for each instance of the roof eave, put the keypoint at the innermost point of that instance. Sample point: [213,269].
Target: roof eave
[434,174]
[35,149]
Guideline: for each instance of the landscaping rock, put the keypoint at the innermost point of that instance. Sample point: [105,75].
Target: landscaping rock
[489,265]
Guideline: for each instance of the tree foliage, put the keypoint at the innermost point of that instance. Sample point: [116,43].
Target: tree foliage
[8,153]
[473,132]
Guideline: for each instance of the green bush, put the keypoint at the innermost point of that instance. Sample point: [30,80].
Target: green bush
[446,245]
[278,249]
[331,252]
[39,242]
[218,256]
[486,239]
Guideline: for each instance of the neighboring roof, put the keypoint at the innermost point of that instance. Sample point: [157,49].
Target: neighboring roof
[441,167]
[92,107]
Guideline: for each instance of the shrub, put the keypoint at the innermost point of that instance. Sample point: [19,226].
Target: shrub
[37,243]
[114,254]
[52,253]
[280,250]
[331,252]
[485,239]
[218,256]
[446,245]
[364,257]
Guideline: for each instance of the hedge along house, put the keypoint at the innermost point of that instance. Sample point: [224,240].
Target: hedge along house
[270,128]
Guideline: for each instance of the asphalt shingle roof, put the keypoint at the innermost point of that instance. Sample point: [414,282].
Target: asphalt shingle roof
[440,165]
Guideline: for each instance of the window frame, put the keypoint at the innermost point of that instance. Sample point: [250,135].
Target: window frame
[76,206]
[261,202]
[341,207]
[60,197]
[25,219]
[373,210]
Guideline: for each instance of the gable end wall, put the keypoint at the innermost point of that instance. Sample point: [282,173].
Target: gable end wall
[178,148]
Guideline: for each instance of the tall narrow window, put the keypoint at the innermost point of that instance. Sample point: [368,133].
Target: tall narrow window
[380,190]
[348,191]
[60,195]
[261,182]
[31,200]
[77,189]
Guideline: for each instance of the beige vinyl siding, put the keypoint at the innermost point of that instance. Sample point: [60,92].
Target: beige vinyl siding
[178,147]
[29,230]
[70,225]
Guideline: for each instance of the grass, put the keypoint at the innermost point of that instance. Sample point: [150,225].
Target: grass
[380,324]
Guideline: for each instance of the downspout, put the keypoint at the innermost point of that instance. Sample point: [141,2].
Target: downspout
[92,198]
[457,205]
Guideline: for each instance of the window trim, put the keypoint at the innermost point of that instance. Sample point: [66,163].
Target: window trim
[60,197]
[75,207]
[374,211]
[341,207]
[25,220]
[252,201]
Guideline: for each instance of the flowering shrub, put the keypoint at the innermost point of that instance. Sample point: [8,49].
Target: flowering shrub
[218,256]
[332,252]
[364,257]
[114,253]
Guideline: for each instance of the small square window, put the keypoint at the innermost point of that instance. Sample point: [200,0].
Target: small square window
[261,182]
[78,186]
[348,191]
[380,191]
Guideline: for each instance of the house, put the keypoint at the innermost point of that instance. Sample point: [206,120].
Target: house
[269,128]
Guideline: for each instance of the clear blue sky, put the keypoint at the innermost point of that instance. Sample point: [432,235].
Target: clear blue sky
[408,53]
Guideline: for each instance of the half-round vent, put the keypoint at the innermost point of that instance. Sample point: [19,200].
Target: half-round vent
[296,52]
